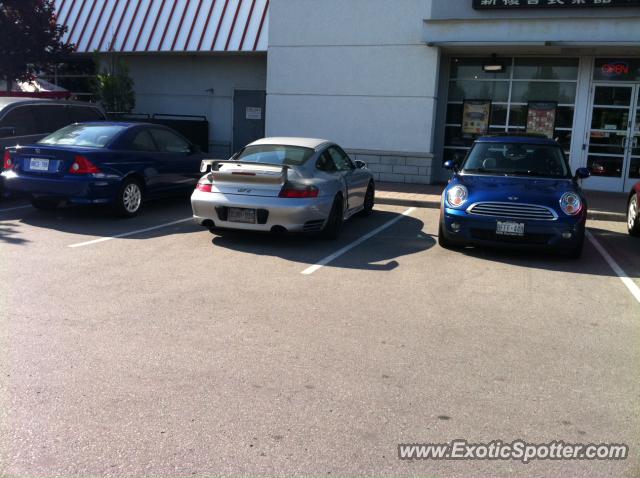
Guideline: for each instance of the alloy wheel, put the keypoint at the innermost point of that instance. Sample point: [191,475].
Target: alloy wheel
[131,197]
[633,212]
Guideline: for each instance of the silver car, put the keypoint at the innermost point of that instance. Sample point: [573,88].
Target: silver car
[284,185]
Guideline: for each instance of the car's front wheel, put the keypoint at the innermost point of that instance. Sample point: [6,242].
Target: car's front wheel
[333,227]
[633,216]
[129,200]
[369,200]
[44,204]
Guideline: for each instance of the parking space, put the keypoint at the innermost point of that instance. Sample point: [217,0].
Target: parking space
[155,348]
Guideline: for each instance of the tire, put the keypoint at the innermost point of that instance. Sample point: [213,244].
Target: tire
[444,242]
[369,200]
[129,200]
[44,204]
[633,216]
[333,227]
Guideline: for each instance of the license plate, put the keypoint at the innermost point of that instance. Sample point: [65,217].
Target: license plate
[237,214]
[37,164]
[510,228]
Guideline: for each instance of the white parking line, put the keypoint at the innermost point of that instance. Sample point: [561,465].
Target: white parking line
[626,280]
[131,233]
[15,208]
[320,264]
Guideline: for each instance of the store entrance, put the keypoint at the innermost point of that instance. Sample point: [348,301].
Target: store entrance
[613,148]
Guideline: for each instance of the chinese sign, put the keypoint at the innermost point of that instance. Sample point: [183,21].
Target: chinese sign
[475,117]
[619,69]
[492,4]
[541,118]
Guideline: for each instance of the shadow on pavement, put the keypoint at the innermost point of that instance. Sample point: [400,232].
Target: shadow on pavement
[97,221]
[591,262]
[378,253]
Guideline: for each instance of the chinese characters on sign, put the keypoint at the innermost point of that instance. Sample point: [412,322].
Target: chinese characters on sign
[541,118]
[489,4]
[475,117]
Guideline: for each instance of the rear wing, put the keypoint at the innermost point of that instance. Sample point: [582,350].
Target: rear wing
[213,166]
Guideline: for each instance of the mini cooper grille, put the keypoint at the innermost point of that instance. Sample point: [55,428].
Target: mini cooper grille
[513,210]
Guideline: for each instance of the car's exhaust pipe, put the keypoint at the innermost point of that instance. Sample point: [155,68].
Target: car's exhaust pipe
[279,230]
[209,224]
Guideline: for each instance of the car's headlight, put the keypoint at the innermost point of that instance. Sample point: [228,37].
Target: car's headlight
[457,195]
[571,204]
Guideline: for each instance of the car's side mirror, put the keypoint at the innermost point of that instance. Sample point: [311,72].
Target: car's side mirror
[360,164]
[450,165]
[582,173]
[7,131]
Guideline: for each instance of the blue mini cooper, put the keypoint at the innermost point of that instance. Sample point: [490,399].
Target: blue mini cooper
[515,191]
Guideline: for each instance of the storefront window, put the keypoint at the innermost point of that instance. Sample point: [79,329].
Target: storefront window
[522,80]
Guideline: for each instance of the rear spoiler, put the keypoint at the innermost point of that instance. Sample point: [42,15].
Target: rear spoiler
[213,165]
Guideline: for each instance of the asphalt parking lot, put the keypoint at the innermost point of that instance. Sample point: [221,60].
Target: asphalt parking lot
[149,347]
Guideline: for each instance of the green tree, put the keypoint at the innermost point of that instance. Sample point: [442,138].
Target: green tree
[113,86]
[30,39]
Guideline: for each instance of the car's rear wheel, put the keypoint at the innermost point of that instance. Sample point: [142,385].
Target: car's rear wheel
[333,227]
[633,216]
[129,201]
[44,204]
[369,200]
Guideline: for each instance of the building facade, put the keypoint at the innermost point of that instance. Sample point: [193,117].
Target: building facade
[401,84]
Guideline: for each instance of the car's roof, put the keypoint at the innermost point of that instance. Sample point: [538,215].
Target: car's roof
[521,139]
[15,100]
[312,143]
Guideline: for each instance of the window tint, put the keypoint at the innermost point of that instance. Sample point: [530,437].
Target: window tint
[90,136]
[275,154]
[142,141]
[517,159]
[325,163]
[21,119]
[169,142]
[81,114]
[50,118]
[340,159]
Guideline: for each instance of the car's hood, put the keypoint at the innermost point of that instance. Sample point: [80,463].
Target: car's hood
[509,188]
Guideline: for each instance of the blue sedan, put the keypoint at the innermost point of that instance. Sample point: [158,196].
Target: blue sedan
[119,164]
[515,191]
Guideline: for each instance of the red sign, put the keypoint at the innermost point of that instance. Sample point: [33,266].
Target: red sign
[616,69]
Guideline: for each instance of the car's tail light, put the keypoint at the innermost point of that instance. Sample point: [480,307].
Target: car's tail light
[298,192]
[82,165]
[204,186]
[7,161]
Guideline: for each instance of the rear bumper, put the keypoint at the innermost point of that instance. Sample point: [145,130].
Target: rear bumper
[80,190]
[481,231]
[294,215]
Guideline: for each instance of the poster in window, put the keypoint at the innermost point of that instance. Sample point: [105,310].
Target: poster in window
[475,117]
[541,118]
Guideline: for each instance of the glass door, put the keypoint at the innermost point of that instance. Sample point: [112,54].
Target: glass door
[633,169]
[613,150]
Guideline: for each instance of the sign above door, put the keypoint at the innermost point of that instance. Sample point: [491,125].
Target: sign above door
[515,4]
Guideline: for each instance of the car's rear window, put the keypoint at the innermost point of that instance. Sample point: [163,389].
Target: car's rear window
[275,154]
[89,136]
[518,159]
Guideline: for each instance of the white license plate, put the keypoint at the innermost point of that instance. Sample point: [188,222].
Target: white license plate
[37,164]
[237,214]
[510,228]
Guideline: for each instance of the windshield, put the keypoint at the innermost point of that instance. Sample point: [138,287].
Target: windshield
[90,136]
[275,154]
[517,159]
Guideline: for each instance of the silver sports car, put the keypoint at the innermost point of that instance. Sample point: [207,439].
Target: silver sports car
[284,185]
